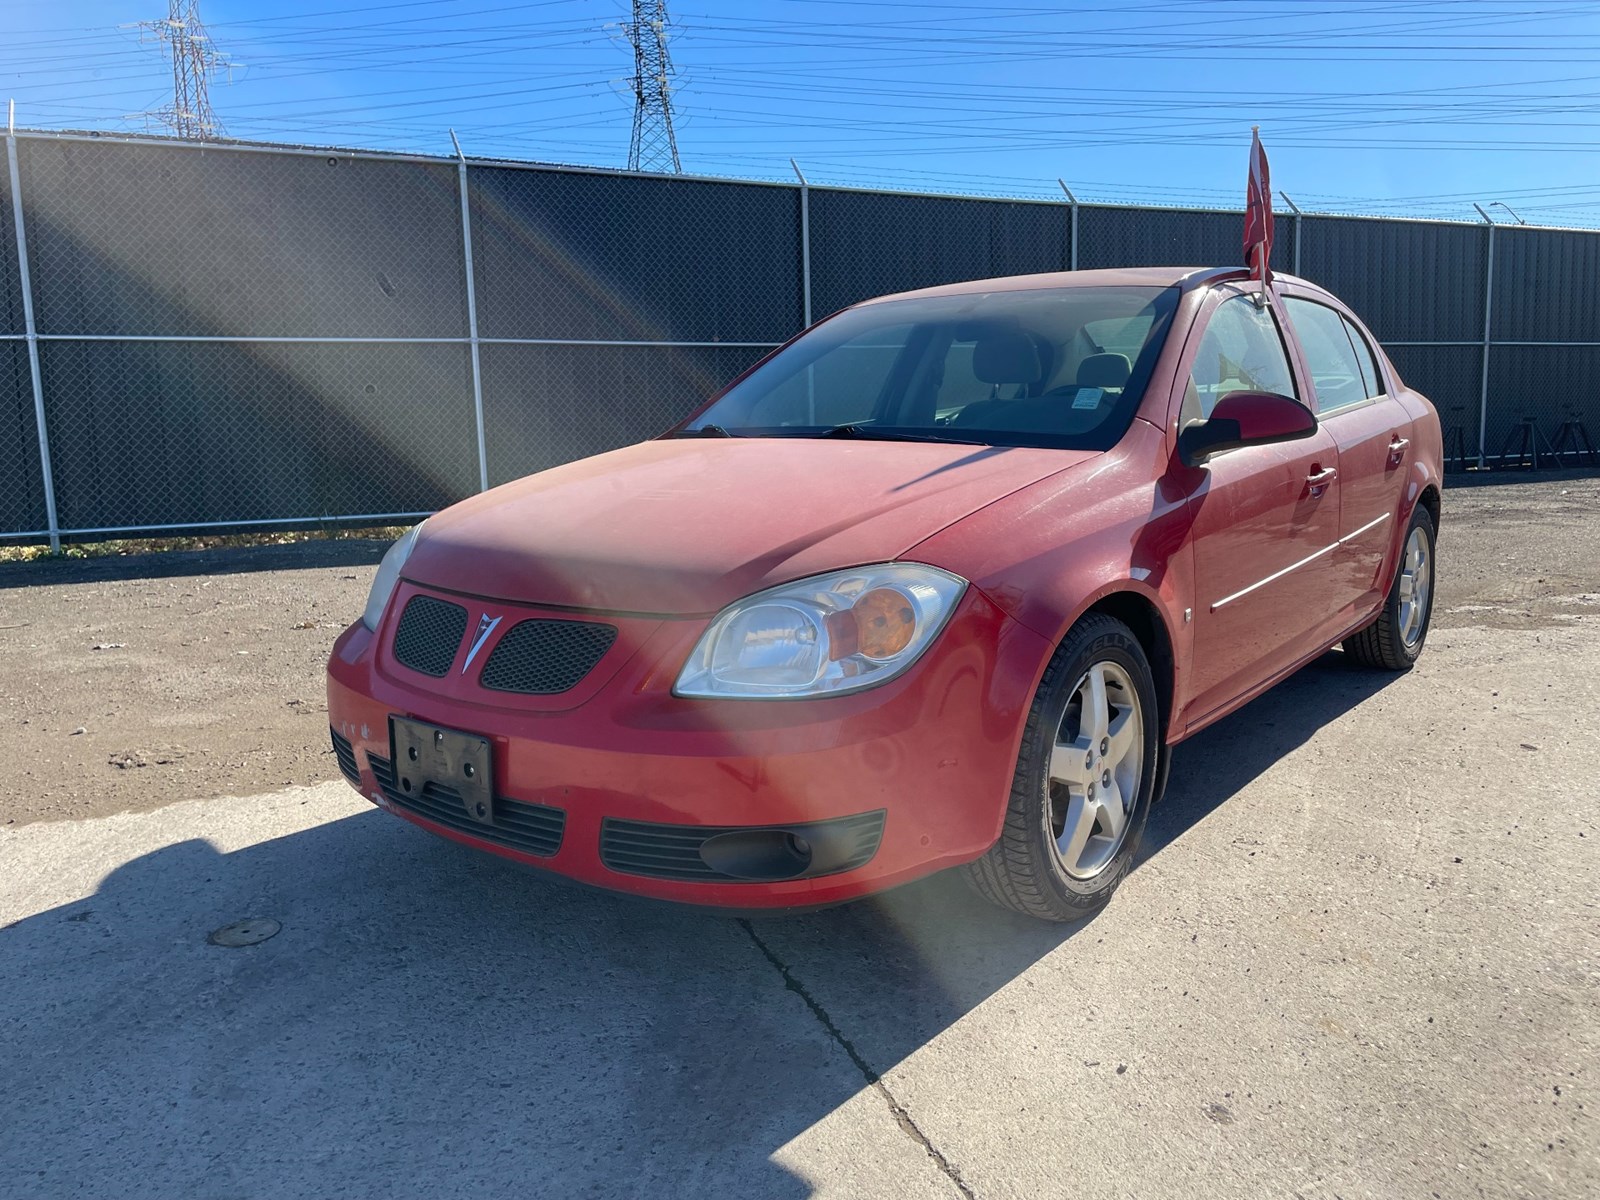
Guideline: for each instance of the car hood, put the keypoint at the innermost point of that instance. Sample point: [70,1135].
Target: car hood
[688,525]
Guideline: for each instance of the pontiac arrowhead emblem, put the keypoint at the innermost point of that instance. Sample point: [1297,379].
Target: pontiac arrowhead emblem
[486,626]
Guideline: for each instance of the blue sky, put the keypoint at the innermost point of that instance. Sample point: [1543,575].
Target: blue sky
[1381,106]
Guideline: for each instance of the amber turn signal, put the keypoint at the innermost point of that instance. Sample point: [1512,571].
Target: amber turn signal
[880,625]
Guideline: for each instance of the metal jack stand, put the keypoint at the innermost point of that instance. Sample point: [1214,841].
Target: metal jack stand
[1455,439]
[1529,441]
[1573,433]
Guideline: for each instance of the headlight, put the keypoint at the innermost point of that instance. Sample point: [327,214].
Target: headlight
[388,575]
[821,636]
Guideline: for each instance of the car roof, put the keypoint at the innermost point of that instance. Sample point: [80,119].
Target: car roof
[1185,277]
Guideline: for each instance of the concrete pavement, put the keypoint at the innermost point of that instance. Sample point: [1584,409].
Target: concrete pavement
[1360,958]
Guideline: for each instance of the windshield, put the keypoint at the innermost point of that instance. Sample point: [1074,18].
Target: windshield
[1053,367]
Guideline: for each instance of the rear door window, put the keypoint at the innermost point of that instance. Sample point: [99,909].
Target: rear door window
[1336,372]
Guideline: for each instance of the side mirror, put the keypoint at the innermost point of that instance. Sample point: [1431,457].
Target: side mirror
[1245,419]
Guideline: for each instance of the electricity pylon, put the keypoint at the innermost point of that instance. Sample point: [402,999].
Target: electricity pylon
[194,58]
[654,146]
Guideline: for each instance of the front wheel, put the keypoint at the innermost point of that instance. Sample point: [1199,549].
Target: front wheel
[1394,640]
[1086,777]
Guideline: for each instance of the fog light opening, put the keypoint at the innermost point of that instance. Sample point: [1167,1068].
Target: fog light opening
[766,855]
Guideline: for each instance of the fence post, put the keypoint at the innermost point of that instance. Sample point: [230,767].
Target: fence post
[472,313]
[1072,202]
[805,284]
[1298,217]
[1488,312]
[31,333]
[805,243]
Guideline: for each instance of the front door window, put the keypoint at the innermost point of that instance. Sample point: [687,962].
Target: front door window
[1240,351]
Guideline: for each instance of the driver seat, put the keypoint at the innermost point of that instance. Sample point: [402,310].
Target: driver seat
[1004,356]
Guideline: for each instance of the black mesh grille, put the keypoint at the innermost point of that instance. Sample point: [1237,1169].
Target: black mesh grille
[429,633]
[530,828]
[346,754]
[541,658]
[673,851]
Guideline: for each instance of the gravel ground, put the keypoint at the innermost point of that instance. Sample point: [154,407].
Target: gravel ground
[1358,957]
[134,682]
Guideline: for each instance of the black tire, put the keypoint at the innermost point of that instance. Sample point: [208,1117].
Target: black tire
[1023,869]
[1383,644]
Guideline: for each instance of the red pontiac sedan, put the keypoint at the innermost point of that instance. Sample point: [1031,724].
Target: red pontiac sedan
[937,584]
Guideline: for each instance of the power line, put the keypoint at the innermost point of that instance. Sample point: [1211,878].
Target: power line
[654,146]
[876,82]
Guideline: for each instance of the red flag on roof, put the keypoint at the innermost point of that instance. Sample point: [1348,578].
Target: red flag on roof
[1258,213]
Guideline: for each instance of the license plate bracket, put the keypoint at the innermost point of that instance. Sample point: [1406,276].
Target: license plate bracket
[448,758]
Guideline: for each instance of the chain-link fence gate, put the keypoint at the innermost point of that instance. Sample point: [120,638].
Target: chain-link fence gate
[223,336]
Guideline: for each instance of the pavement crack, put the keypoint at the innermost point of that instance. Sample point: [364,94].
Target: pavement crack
[907,1123]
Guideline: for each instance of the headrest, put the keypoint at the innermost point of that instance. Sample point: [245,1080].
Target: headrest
[1104,371]
[1006,354]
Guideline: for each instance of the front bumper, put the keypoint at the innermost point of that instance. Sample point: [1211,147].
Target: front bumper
[624,786]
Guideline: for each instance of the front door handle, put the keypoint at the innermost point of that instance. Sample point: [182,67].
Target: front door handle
[1317,482]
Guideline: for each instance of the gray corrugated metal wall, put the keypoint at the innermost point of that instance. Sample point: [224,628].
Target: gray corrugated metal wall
[235,335]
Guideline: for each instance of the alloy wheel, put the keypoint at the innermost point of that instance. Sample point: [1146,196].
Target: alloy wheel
[1416,585]
[1095,769]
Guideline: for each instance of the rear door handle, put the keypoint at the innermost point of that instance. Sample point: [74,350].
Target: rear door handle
[1397,449]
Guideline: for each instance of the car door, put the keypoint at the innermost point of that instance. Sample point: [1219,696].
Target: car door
[1264,519]
[1372,431]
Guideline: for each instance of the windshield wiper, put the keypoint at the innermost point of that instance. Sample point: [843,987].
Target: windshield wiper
[872,433]
[708,430]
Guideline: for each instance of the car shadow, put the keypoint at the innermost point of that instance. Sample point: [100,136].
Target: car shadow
[1219,761]
[431,1021]
[979,454]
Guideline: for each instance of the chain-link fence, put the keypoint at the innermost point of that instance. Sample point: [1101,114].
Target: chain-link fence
[228,335]
[874,243]
[22,490]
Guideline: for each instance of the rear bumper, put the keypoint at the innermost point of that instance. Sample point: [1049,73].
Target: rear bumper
[893,783]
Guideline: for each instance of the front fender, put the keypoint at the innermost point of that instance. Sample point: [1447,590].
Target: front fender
[1051,551]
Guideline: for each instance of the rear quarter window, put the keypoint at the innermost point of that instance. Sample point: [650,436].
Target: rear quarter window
[1367,360]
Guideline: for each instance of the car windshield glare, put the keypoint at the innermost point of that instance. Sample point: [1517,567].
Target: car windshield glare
[1062,367]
